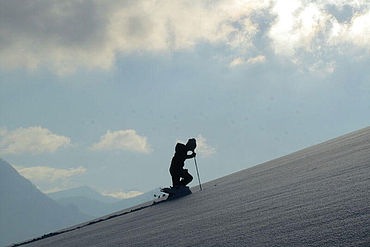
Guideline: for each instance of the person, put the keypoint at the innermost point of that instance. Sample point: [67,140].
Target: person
[180,176]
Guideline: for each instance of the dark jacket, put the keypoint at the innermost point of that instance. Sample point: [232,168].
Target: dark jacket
[178,160]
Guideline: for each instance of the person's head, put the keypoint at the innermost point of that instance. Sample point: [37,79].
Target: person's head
[191,144]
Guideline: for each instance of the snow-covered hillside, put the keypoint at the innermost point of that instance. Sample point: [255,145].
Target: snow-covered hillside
[318,196]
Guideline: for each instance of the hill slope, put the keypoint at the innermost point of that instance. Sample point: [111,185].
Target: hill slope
[26,212]
[318,196]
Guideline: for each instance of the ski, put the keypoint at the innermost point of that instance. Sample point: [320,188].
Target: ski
[176,192]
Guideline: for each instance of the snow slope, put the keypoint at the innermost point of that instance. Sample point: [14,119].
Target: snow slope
[318,196]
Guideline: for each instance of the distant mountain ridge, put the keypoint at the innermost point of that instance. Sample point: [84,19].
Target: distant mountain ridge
[84,191]
[93,203]
[26,212]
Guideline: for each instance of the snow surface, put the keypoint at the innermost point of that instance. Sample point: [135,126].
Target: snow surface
[318,196]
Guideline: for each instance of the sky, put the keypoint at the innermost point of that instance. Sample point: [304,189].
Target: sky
[97,93]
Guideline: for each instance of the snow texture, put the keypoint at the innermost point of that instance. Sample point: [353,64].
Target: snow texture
[318,196]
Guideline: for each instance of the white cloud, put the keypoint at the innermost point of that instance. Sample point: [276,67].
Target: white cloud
[203,147]
[312,35]
[296,26]
[48,174]
[127,140]
[122,194]
[357,32]
[252,60]
[257,59]
[66,35]
[52,190]
[31,140]
[237,61]
[49,179]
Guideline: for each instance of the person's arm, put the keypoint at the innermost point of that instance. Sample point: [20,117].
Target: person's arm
[191,155]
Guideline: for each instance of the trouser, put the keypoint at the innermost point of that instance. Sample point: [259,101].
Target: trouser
[180,177]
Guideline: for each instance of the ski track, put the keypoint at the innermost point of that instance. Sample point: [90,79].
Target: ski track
[318,196]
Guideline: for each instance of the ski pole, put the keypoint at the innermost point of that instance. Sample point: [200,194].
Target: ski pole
[196,166]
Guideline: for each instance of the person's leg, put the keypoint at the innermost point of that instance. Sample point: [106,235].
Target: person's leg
[187,178]
[175,179]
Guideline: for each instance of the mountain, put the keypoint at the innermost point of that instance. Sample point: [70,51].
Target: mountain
[93,203]
[83,191]
[25,212]
[318,196]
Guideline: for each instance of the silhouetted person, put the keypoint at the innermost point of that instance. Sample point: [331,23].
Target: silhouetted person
[181,176]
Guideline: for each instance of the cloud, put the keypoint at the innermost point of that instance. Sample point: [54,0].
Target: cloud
[48,174]
[257,59]
[50,179]
[237,61]
[122,194]
[127,140]
[356,32]
[313,35]
[33,140]
[203,147]
[295,26]
[65,35]
[68,35]
[253,60]
[310,25]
